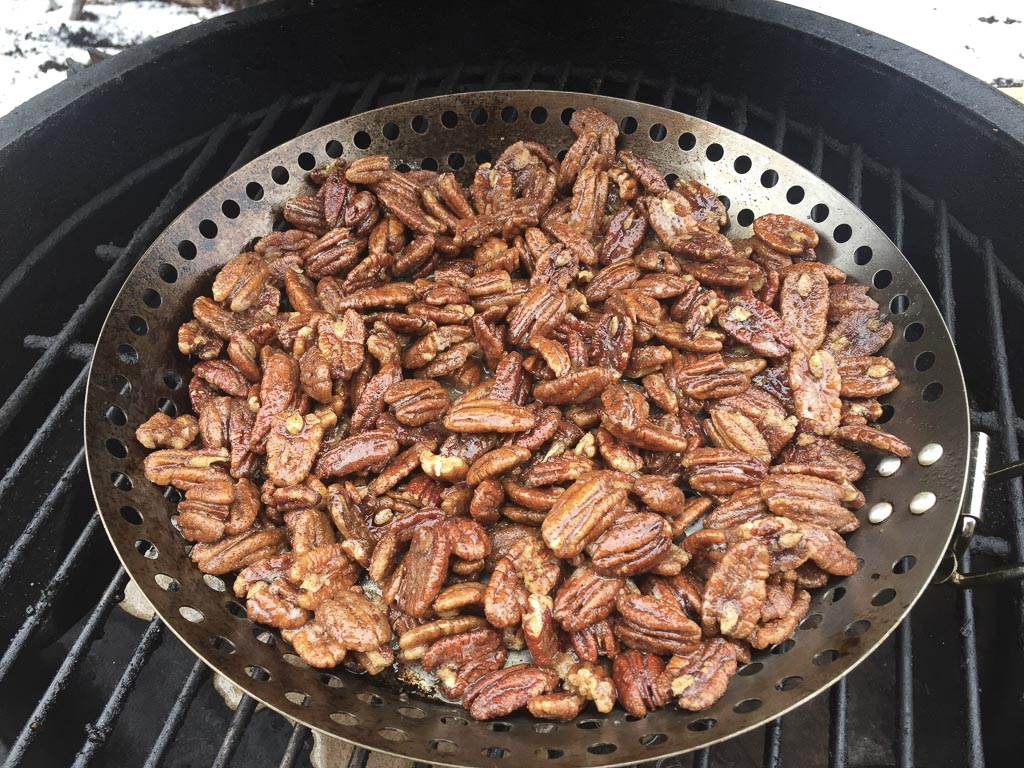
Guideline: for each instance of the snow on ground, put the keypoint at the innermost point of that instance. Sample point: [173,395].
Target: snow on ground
[984,38]
[35,42]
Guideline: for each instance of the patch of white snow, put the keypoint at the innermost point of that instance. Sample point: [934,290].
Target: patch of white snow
[37,37]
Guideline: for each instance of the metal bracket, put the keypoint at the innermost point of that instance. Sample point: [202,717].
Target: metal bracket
[971,515]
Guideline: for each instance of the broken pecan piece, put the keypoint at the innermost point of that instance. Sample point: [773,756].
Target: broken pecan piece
[700,677]
[784,233]
[561,705]
[778,629]
[160,430]
[593,683]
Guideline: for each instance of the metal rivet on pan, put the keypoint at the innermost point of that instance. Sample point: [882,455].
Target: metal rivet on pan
[929,454]
[880,512]
[888,466]
[922,502]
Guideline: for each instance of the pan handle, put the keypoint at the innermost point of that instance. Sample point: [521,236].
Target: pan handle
[971,515]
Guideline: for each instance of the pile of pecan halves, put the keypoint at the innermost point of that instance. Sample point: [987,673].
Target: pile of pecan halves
[438,424]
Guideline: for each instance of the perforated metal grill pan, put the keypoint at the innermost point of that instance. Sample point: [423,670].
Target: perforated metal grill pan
[137,369]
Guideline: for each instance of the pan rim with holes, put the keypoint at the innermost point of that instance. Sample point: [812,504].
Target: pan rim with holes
[848,619]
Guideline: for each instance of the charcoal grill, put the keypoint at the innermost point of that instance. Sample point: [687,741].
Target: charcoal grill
[82,682]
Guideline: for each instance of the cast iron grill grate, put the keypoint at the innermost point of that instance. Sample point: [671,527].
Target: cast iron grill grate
[43,483]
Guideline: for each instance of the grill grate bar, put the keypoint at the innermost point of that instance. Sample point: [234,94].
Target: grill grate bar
[1011,280]
[904,696]
[633,86]
[259,136]
[772,757]
[296,743]
[233,735]
[562,75]
[319,110]
[411,85]
[781,121]
[528,75]
[100,296]
[947,299]
[45,431]
[837,696]
[856,183]
[704,98]
[60,681]
[595,83]
[41,517]
[450,79]
[109,253]
[18,275]
[739,115]
[975,757]
[702,758]
[990,421]
[368,94]
[896,203]
[668,93]
[837,725]
[492,73]
[818,151]
[993,546]
[358,758]
[78,351]
[176,717]
[774,731]
[46,597]
[100,731]
[1011,447]
[904,635]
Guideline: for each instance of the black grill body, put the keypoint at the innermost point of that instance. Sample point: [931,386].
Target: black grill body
[94,169]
